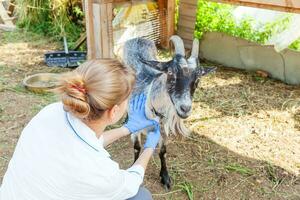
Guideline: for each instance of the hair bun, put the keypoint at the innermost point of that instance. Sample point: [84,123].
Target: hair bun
[79,108]
[74,94]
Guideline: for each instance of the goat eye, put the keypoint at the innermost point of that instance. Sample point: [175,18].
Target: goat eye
[170,73]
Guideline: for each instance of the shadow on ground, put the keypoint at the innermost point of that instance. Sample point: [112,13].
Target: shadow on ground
[205,170]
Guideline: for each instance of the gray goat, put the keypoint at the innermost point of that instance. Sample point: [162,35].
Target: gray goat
[169,87]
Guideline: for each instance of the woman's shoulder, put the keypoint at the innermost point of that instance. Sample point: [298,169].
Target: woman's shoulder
[51,112]
[53,108]
[57,106]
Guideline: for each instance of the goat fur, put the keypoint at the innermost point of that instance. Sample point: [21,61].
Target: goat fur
[153,83]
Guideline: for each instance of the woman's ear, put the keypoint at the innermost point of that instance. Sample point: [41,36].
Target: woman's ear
[112,113]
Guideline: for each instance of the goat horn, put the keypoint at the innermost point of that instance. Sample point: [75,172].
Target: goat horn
[178,45]
[195,49]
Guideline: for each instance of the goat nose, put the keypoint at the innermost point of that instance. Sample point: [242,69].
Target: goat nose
[185,108]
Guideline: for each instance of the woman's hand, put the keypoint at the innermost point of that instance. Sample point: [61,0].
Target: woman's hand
[137,119]
[152,138]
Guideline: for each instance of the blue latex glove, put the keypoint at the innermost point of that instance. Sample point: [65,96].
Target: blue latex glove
[152,138]
[137,119]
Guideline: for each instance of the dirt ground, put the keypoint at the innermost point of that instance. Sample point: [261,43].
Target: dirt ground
[245,141]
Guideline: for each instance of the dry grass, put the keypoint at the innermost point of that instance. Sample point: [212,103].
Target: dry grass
[237,119]
[256,117]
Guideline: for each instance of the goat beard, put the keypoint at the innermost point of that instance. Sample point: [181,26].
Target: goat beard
[171,122]
[174,124]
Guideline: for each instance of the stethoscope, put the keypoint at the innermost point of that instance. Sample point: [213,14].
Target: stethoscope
[68,120]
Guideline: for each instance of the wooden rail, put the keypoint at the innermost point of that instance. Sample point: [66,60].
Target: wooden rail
[279,5]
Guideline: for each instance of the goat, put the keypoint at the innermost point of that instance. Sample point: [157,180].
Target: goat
[169,87]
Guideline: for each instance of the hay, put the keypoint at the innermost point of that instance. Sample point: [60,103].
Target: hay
[250,115]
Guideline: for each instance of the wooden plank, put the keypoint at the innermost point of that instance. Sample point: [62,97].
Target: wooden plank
[187,10]
[90,29]
[80,41]
[114,2]
[83,5]
[191,2]
[163,22]
[99,29]
[186,29]
[104,31]
[186,21]
[110,29]
[97,33]
[170,19]
[188,44]
[279,5]
[185,34]
[122,3]
[4,16]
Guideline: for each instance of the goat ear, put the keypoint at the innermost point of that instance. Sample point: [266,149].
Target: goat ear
[160,66]
[208,70]
[202,71]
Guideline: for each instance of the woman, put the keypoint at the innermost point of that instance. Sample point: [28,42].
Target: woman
[60,153]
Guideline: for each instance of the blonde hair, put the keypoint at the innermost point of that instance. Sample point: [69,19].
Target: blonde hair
[94,87]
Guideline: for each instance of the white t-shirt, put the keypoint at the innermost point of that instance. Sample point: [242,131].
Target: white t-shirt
[59,157]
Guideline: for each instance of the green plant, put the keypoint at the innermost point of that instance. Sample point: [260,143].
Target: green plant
[272,175]
[187,188]
[239,169]
[295,45]
[218,17]
[56,18]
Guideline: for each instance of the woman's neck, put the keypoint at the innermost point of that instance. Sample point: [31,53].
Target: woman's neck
[97,126]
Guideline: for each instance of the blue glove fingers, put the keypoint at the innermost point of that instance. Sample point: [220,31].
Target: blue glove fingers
[143,104]
[137,105]
[137,102]
[137,119]
[140,103]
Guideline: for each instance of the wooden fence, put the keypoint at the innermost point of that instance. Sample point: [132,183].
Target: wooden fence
[99,16]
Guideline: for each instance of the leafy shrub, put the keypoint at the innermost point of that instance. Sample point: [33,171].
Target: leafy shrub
[55,18]
[218,17]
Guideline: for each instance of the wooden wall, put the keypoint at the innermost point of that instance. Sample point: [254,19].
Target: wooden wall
[187,20]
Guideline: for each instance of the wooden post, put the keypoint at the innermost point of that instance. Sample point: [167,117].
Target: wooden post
[99,15]
[89,29]
[167,20]
[186,21]
[170,19]
[163,20]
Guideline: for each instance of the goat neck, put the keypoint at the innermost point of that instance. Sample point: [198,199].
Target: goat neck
[160,102]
